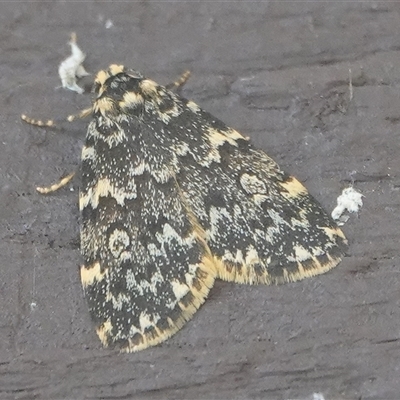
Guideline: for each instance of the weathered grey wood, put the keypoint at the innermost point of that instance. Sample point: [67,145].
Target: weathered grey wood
[277,72]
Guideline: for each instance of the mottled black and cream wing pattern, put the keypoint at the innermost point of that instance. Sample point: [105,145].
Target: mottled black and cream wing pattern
[146,267]
[172,199]
[262,226]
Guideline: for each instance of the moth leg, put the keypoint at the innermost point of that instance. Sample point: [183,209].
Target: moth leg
[52,123]
[180,81]
[82,114]
[55,186]
[37,122]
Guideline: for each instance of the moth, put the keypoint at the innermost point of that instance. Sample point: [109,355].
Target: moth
[172,199]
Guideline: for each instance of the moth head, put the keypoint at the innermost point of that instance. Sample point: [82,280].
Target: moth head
[121,90]
[115,77]
[115,89]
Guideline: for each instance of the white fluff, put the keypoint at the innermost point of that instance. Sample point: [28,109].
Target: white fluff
[72,68]
[349,200]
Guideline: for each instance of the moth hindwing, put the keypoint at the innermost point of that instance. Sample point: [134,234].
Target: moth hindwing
[172,199]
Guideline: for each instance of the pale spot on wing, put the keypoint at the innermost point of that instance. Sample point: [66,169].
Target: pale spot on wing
[237,258]
[193,106]
[217,138]
[91,273]
[252,184]
[212,156]
[118,242]
[116,69]
[104,332]
[293,187]
[88,153]
[179,289]
[132,284]
[138,170]
[148,87]
[166,116]
[301,253]
[216,214]
[118,301]
[131,100]
[147,321]
[276,217]
[154,282]
[332,232]
[232,133]
[133,331]
[105,188]
[169,235]
[104,105]
[259,199]
[101,77]
[251,256]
